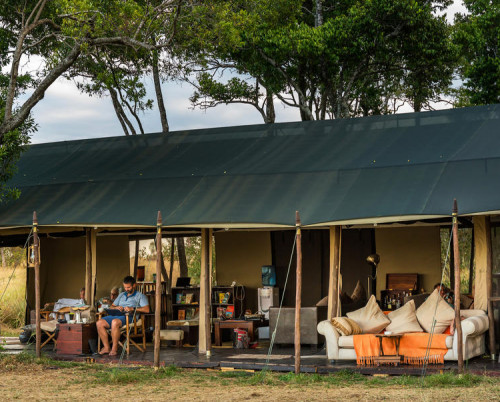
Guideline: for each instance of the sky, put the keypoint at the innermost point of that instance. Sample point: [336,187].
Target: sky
[66,114]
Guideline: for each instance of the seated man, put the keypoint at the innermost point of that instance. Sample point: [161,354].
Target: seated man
[126,302]
[111,299]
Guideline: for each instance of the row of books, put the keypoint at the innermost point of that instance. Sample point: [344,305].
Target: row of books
[187,314]
[187,298]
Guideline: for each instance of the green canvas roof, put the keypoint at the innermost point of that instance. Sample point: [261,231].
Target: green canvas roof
[374,169]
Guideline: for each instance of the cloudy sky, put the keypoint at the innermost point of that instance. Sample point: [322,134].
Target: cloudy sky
[66,114]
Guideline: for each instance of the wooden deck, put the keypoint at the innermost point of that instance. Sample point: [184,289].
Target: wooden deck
[281,360]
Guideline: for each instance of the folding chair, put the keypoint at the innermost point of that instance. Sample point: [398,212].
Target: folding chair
[49,329]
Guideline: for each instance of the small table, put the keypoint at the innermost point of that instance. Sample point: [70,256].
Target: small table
[249,325]
[388,359]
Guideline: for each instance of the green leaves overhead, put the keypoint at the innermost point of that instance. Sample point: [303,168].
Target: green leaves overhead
[477,36]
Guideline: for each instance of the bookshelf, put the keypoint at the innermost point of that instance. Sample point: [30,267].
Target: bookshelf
[149,289]
[227,299]
[185,302]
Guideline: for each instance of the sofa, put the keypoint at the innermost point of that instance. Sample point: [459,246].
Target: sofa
[474,326]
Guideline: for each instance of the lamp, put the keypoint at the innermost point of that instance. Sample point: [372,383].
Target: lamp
[373,260]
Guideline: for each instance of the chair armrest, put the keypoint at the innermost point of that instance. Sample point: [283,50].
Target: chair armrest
[474,326]
[332,339]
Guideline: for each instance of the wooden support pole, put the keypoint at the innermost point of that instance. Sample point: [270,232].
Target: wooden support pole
[205,338]
[136,258]
[88,266]
[333,283]
[93,259]
[298,293]
[158,290]
[489,269]
[36,247]
[458,323]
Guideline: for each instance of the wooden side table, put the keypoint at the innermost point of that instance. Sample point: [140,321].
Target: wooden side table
[389,359]
[249,325]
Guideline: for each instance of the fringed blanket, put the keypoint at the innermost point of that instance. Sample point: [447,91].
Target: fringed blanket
[413,348]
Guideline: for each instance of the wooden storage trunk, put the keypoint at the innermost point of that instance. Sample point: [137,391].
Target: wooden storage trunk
[402,282]
[73,339]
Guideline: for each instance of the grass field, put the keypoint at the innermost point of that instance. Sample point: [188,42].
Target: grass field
[13,304]
[25,377]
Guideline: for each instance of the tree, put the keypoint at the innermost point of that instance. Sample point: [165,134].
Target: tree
[59,33]
[329,59]
[477,36]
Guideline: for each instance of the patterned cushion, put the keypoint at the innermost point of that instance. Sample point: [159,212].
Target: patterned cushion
[342,325]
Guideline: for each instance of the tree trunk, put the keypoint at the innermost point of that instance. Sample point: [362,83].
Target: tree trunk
[171,269]
[319,13]
[136,258]
[270,112]
[3,258]
[159,95]
[181,253]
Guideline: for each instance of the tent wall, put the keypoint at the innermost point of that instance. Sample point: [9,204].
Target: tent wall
[62,269]
[239,257]
[409,250]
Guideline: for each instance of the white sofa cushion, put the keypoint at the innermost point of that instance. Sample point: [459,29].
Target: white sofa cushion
[444,313]
[370,318]
[404,320]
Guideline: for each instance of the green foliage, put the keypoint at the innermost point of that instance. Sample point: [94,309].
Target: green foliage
[363,55]
[477,35]
[464,245]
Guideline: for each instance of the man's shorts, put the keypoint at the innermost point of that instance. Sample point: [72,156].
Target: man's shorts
[110,318]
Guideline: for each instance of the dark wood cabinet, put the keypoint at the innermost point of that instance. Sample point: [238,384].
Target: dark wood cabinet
[73,339]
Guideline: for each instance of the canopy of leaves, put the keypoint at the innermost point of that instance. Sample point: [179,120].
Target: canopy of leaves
[477,35]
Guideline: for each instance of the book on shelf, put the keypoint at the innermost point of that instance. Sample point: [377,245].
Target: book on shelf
[181,315]
[189,298]
[178,298]
[221,312]
[230,312]
[225,299]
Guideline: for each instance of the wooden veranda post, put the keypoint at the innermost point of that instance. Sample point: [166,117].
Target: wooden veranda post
[205,339]
[489,268]
[93,259]
[88,266]
[333,284]
[36,247]
[298,293]
[458,323]
[158,292]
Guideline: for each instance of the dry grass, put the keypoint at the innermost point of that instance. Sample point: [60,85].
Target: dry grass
[46,379]
[13,304]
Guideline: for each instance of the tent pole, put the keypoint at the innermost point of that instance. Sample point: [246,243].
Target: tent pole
[36,246]
[458,323]
[136,258]
[158,292]
[88,265]
[204,338]
[93,259]
[333,284]
[488,288]
[298,293]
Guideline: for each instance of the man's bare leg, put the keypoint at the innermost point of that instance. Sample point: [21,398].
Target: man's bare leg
[116,325]
[102,326]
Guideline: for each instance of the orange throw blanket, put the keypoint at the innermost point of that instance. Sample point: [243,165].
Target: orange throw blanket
[413,348]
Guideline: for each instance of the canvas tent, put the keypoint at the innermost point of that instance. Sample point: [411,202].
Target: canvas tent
[351,173]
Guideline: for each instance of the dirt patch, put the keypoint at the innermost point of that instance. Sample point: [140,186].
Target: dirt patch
[47,382]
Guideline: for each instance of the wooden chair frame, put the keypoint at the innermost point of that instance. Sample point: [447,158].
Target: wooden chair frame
[138,332]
